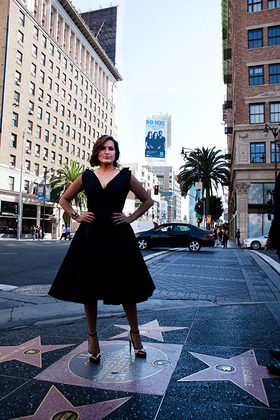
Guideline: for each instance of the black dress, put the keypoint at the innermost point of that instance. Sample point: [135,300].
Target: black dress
[103,261]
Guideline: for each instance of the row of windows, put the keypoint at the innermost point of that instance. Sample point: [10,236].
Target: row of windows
[257,5]
[94,70]
[79,154]
[255,37]
[257,113]
[258,155]
[256,74]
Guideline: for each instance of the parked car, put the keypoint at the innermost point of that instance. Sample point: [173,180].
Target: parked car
[255,243]
[175,235]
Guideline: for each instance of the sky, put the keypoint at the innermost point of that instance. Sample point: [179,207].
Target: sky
[169,54]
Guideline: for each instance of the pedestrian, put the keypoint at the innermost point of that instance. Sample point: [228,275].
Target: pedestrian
[220,235]
[33,232]
[37,233]
[273,242]
[103,260]
[68,233]
[225,238]
[63,233]
[215,235]
[237,236]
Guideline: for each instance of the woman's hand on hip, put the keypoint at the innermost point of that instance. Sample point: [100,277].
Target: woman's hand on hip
[119,218]
[87,217]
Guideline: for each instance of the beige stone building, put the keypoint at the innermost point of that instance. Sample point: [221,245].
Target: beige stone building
[251,38]
[57,89]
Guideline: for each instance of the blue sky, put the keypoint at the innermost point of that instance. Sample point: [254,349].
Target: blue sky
[169,54]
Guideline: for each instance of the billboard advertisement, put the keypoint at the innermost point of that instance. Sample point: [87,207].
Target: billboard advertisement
[41,189]
[155,141]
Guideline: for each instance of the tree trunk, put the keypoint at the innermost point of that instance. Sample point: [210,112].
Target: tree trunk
[207,207]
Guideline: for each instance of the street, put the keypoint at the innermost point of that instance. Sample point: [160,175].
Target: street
[207,330]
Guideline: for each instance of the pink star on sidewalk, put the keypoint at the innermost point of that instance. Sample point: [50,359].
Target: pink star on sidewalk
[29,352]
[55,403]
[150,329]
[243,370]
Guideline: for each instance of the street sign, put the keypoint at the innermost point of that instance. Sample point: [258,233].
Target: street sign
[208,218]
[198,185]
[166,193]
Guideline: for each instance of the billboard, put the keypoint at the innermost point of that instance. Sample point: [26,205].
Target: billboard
[155,140]
[41,190]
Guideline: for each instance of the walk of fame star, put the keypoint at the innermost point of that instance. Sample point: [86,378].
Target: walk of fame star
[150,329]
[29,352]
[243,370]
[56,406]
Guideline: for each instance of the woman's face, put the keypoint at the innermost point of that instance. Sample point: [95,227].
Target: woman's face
[107,153]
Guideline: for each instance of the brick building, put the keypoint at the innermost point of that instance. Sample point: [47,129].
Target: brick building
[57,89]
[251,48]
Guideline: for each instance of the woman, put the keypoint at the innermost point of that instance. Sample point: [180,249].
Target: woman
[104,261]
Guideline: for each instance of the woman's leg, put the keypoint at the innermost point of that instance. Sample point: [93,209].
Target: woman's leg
[91,315]
[131,314]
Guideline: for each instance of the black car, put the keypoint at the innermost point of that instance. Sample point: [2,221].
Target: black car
[175,235]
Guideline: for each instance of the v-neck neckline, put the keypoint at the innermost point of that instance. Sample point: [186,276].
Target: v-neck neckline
[104,188]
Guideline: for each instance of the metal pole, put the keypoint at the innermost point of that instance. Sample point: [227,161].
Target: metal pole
[275,161]
[44,207]
[20,204]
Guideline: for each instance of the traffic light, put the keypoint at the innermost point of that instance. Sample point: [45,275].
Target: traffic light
[156,189]
[199,207]
[15,209]
[199,220]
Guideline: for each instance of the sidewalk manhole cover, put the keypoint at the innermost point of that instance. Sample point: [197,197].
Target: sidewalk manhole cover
[33,290]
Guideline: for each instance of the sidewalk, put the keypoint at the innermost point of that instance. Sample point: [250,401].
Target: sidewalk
[207,347]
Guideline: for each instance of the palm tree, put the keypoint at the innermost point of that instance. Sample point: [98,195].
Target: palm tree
[62,181]
[213,171]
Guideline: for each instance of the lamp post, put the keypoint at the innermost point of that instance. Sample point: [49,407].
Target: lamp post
[44,199]
[20,204]
[275,132]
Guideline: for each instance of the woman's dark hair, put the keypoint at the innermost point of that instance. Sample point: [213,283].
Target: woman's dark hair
[94,161]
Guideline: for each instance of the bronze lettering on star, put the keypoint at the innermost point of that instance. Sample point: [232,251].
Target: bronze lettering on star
[66,414]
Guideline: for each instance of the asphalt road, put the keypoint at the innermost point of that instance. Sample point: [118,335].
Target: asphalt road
[25,263]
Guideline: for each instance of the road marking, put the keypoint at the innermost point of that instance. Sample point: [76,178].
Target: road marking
[7,287]
[269,260]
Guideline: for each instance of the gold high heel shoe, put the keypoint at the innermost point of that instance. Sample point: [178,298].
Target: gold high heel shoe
[138,352]
[94,357]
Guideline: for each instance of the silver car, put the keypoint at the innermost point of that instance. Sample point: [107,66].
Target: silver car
[255,243]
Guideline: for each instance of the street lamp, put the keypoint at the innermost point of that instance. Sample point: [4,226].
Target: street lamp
[275,132]
[51,170]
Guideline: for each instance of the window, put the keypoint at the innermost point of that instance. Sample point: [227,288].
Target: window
[254,5]
[59,159]
[52,156]
[19,57]
[272,4]
[41,94]
[30,108]
[54,122]
[36,169]
[15,119]
[26,186]
[34,50]
[58,55]
[53,139]
[64,63]
[63,93]
[62,110]
[17,77]
[21,18]
[274,112]
[44,41]
[46,153]
[33,69]
[16,98]
[35,188]
[49,84]
[257,114]
[70,84]
[67,130]
[63,78]
[28,146]
[37,150]
[27,165]
[255,38]
[50,65]
[20,36]
[56,88]
[48,117]
[67,146]
[257,152]
[61,125]
[32,88]
[55,105]
[35,32]
[38,131]
[43,59]
[274,35]
[57,72]
[42,76]
[13,140]
[51,49]
[49,99]
[274,73]
[29,127]
[272,152]
[39,113]
[60,142]
[12,161]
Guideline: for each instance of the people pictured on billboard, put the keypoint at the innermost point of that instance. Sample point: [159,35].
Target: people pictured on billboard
[155,144]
